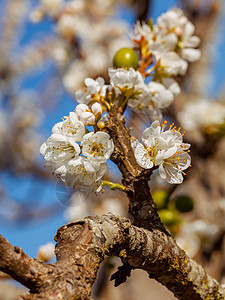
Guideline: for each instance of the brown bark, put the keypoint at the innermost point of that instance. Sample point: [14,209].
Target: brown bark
[82,246]
[135,179]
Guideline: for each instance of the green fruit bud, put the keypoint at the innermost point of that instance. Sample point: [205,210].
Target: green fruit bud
[161,198]
[184,203]
[168,217]
[125,58]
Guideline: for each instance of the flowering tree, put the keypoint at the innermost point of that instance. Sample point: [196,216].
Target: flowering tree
[143,82]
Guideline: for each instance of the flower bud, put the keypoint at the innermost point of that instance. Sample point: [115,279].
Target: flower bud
[179,31]
[46,252]
[97,110]
[101,125]
[80,108]
[88,118]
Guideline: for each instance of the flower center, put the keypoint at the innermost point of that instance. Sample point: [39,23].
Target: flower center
[152,152]
[96,149]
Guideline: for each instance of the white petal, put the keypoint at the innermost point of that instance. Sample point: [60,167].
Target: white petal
[170,174]
[43,149]
[82,97]
[57,137]
[192,42]
[142,157]
[184,161]
[162,172]
[191,54]
[169,152]
[189,29]
[91,84]
[80,108]
[159,158]
[88,118]
[96,109]
[100,81]
[164,99]
[57,128]
[172,85]
[149,134]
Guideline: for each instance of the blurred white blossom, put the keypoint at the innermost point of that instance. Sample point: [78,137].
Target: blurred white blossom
[46,252]
[202,113]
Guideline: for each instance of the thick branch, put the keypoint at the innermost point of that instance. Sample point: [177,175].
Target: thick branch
[141,8]
[135,178]
[82,246]
[20,266]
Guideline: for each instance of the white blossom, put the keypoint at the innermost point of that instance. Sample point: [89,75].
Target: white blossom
[172,21]
[87,173]
[59,148]
[94,87]
[171,64]
[202,113]
[164,149]
[63,155]
[72,127]
[46,252]
[85,115]
[161,96]
[191,55]
[97,146]
[142,30]
[125,78]
[171,85]
[163,44]
[175,22]
[66,25]
[76,212]
[188,240]
[89,116]
[130,82]
[81,108]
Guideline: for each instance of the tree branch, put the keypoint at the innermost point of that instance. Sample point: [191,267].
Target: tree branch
[20,266]
[83,245]
[135,178]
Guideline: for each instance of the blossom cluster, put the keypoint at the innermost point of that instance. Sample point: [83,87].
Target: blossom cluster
[131,86]
[165,50]
[203,114]
[197,234]
[165,149]
[75,154]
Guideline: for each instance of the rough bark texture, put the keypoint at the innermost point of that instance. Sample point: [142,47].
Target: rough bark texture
[20,266]
[82,245]
[135,179]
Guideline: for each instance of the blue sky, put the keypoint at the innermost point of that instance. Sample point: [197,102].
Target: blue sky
[31,236]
